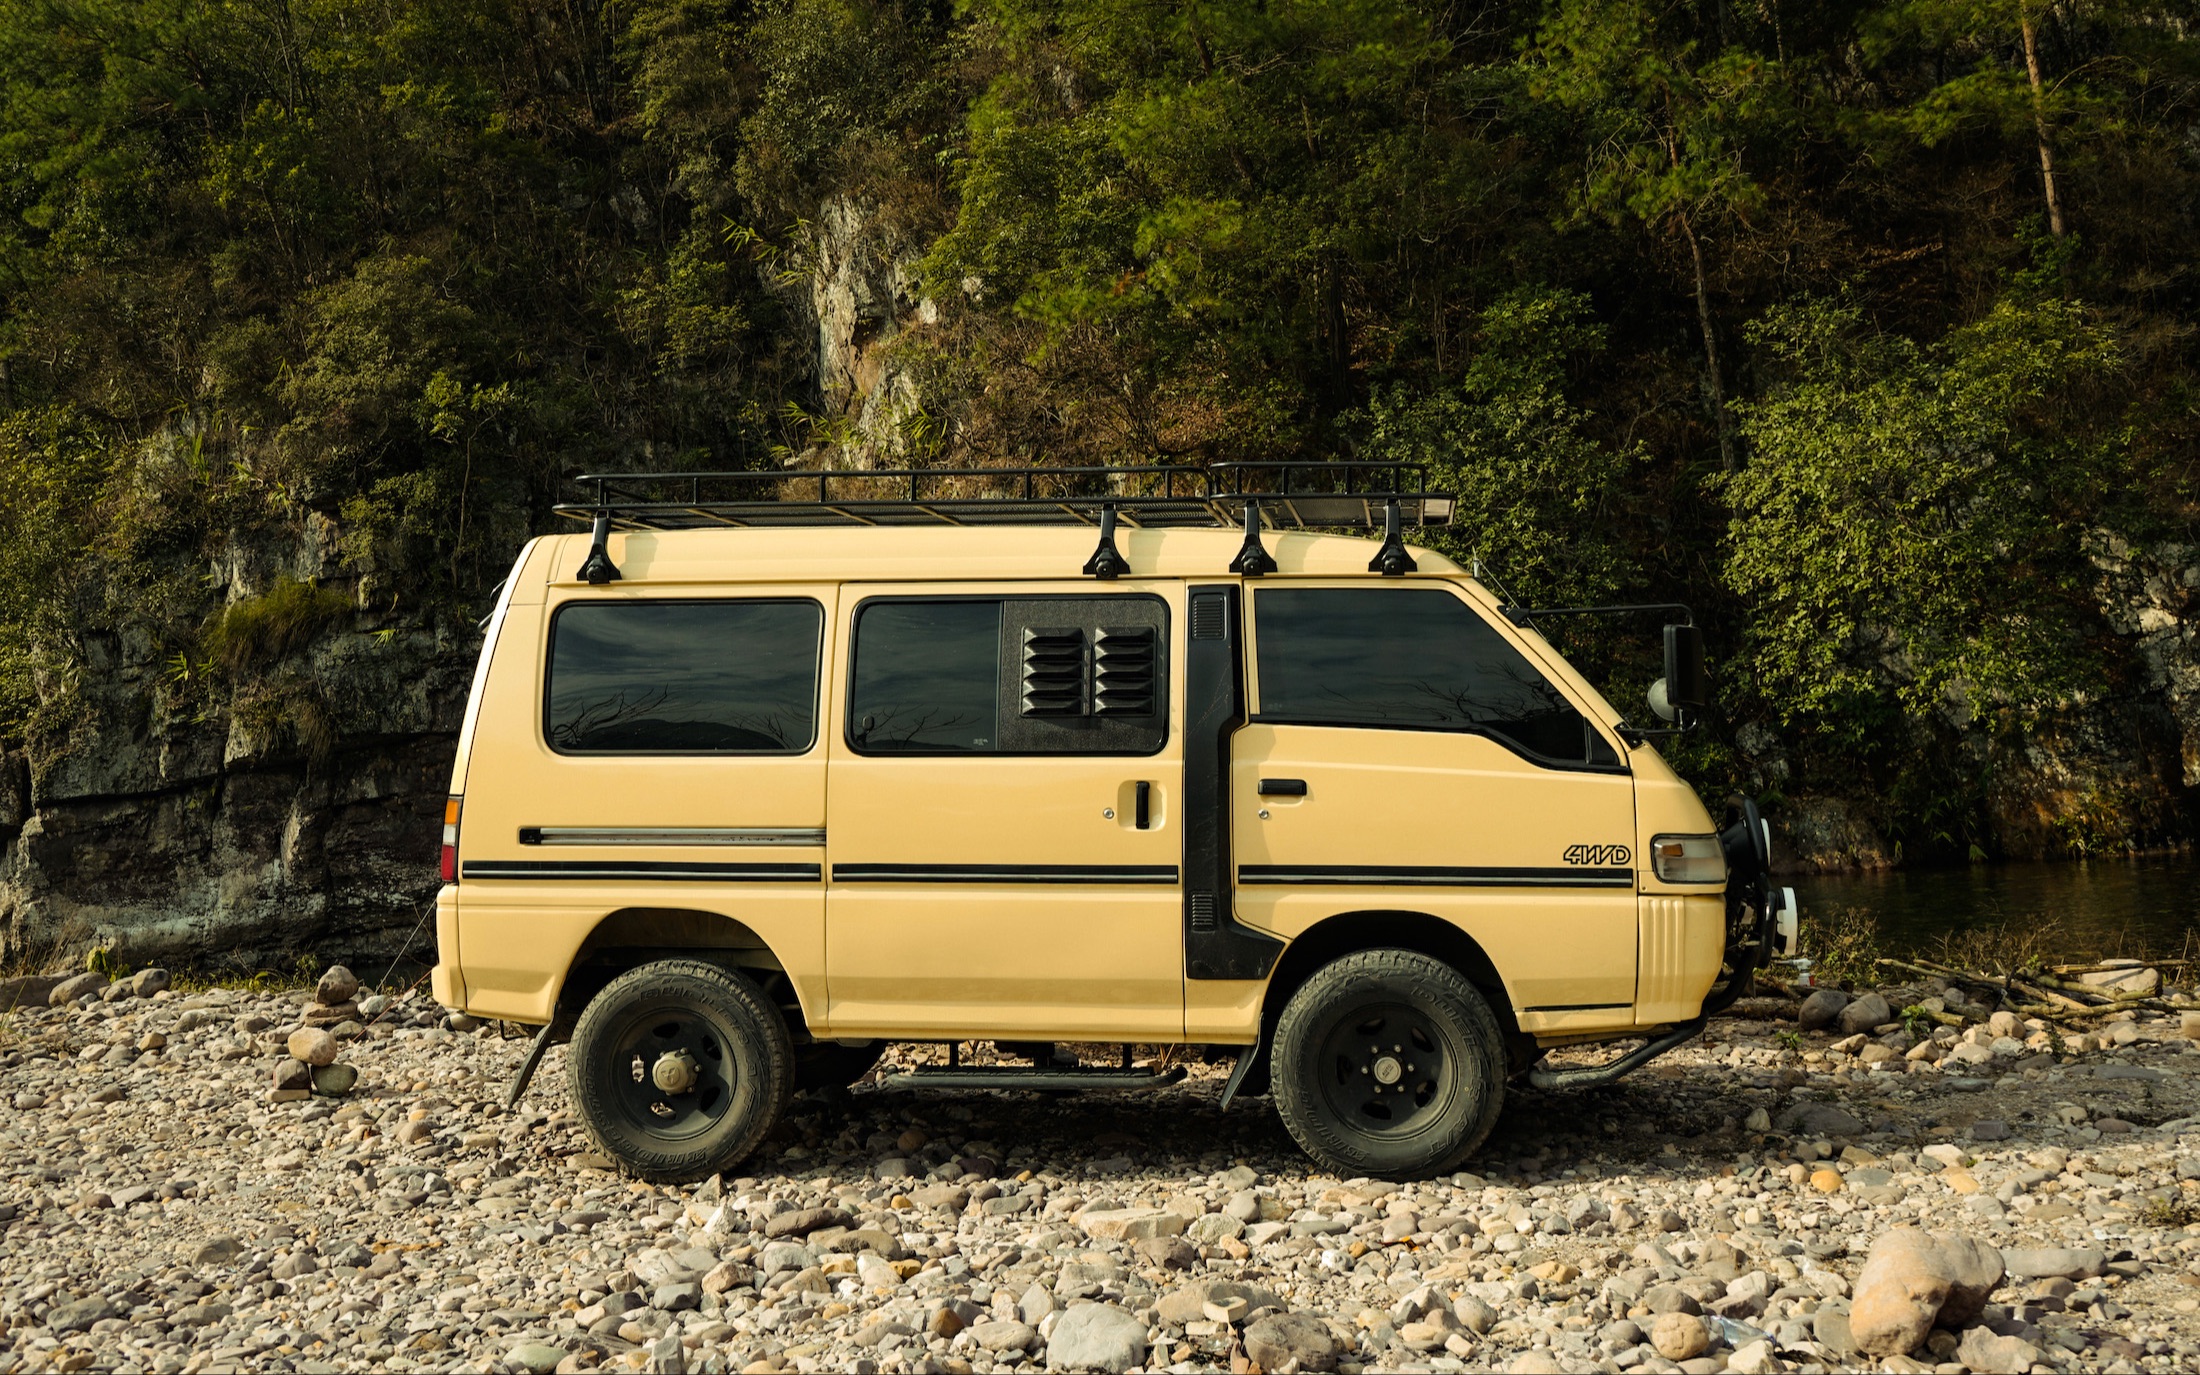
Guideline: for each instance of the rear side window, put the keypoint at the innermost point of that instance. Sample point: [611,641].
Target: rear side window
[1417,658]
[1010,675]
[702,677]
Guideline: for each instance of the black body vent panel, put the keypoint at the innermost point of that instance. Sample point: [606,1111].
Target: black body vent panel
[1210,619]
[1124,671]
[1053,671]
[1203,913]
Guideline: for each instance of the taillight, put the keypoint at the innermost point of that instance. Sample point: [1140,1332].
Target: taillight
[450,840]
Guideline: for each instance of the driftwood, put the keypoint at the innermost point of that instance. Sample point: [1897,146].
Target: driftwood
[2066,970]
[2047,996]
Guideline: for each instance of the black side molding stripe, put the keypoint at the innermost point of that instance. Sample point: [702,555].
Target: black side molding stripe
[1435,876]
[662,870]
[1577,1007]
[1004,873]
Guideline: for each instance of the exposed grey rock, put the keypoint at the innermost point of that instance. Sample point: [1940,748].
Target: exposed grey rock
[336,987]
[1820,1119]
[2070,1263]
[1821,1009]
[27,990]
[1864,1013]
[334,1080]
[75,987]
[80,1314]
[1276,1341]
[1096,1336]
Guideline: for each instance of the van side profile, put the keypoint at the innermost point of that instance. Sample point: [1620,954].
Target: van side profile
[751,786]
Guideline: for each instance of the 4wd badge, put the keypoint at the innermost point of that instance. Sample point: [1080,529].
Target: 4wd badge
[1599,856]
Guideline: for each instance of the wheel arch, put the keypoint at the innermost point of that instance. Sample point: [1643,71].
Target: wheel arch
[1384,929]
[631,936]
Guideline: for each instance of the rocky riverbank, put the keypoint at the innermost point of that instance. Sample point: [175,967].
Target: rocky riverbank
[163,1208]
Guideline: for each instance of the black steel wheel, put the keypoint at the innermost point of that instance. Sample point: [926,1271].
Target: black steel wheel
[1388,1063]
[679,1068]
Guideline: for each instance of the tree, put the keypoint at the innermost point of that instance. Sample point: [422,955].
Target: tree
[1666,127]
[1907,529]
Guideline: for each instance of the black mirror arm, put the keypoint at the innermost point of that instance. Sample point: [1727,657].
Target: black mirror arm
[1636,735]
[1521,615]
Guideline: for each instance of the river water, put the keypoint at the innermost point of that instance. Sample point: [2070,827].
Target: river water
[2102,907]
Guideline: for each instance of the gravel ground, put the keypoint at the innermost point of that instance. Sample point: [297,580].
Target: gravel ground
[159,1212]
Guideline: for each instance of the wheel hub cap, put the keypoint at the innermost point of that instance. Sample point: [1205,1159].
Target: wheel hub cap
[674,1072]
[1387,1070]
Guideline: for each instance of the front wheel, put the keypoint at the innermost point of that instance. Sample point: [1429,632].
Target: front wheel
[1388,1063]
[678,1069]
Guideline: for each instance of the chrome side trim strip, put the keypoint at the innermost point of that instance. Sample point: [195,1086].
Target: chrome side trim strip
[672,835]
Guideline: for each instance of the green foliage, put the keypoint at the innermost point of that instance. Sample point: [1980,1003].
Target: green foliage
[106,962]
[1904,530]
[279,622]
[52,465]
[1843,945]
[1537,491]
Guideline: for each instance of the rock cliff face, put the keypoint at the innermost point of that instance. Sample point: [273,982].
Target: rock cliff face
[186,819]
[861,297]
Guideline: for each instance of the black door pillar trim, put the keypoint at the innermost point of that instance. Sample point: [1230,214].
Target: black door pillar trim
[1216,944]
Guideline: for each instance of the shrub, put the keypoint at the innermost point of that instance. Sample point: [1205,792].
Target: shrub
[280,621]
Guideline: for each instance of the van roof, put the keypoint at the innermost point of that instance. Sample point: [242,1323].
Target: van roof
[952,554]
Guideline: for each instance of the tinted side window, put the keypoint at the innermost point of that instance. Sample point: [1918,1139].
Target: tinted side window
[1012,675]
[925,678]
[1409,657]
[729,677]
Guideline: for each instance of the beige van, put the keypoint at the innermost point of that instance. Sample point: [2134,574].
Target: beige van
[767,771]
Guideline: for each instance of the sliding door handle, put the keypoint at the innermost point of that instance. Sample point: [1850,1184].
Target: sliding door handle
[1283,787]
[1145,805]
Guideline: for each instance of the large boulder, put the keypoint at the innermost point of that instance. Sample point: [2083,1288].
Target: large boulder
[1096,1336]
[27,990]
[1865,1013]
[1821,1009]
[1914,1281]
[71,989]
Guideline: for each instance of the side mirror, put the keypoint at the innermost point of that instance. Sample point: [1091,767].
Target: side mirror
[1686,686]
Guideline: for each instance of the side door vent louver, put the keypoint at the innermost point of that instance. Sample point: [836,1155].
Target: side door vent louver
[1053,671]
[1124,671]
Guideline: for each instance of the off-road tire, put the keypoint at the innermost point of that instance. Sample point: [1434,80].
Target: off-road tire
[737,1037]
[831,1065]
[1450,1068]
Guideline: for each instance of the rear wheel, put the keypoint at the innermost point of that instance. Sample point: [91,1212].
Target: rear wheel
[678,1069]
[1388,1063]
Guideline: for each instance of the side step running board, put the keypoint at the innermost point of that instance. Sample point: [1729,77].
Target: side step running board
[1031,1077]
[1589,1076]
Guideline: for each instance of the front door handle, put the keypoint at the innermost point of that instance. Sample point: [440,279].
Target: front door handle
[1283,787]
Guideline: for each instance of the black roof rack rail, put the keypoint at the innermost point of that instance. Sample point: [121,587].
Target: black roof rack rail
[1293,494]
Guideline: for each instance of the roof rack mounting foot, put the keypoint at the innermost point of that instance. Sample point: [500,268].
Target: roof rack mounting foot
[1392,560]
[1252,558]
[1107,561]
[598,569]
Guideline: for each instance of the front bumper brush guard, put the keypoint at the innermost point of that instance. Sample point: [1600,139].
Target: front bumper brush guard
[1591,1076]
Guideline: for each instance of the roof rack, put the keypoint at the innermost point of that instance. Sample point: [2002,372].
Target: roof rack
[1281,494]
